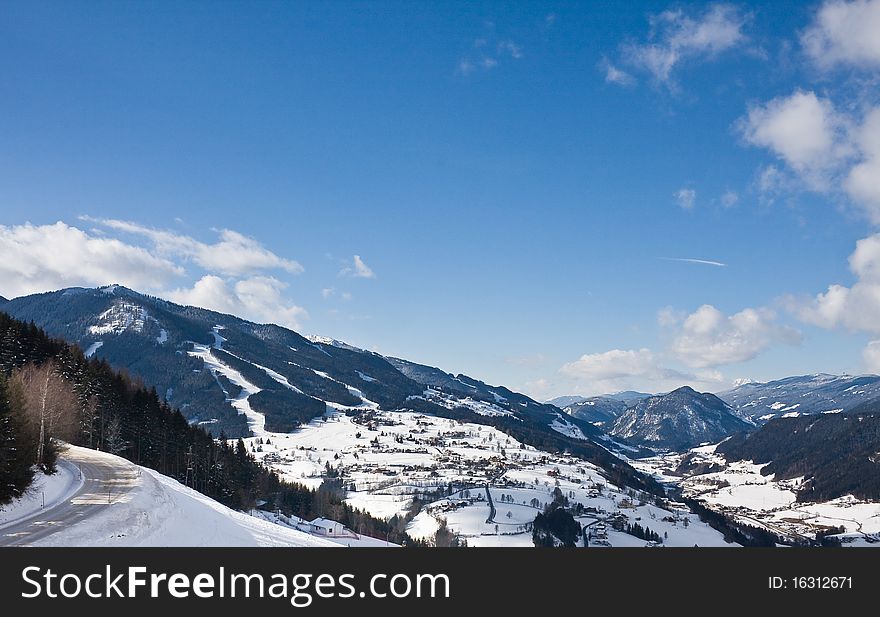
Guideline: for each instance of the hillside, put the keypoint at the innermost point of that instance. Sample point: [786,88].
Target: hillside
[597,410]
[229,375]
[111,412]
[837,454]
[679,420]
[801,395]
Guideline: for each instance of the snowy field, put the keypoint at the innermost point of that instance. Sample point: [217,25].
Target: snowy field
[387,460]
[427,469]
[740,491]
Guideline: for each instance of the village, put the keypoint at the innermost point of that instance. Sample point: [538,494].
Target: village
[740,491]
[479,482]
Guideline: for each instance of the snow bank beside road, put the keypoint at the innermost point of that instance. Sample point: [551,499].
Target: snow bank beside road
[44,493]
[154,510]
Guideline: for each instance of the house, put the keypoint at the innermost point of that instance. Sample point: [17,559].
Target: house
[326,527]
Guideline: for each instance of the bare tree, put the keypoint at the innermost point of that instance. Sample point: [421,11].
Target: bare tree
[114,442]
[50,405]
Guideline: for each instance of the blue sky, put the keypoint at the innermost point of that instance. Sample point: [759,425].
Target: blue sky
[506,190]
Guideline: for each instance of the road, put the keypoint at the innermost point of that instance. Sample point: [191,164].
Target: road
[491,518]
[105,482]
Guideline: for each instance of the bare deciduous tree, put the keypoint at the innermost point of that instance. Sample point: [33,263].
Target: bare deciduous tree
[50,406]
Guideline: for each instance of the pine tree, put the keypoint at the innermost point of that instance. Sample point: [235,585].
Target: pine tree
[16,446]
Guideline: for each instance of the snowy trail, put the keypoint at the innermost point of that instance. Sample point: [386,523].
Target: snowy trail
[122,504]
[256,421]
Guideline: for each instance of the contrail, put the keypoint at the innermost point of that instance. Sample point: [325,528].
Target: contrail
[705,262]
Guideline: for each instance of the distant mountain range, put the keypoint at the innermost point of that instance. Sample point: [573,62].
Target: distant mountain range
[801,395]
[679,420]
[231,375]
[629,397]
[601,410]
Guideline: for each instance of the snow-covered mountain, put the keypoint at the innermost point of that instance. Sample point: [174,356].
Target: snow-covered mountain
[679,420]
[564,401]
[801,395]
[242,378]
[603,410]
[598,410]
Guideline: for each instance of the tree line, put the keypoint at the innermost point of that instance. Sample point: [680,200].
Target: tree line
[50,392]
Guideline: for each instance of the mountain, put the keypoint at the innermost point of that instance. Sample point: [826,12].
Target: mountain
[836,453]
[447,389]
[564,401]
[629,397]
[231,375]
[801,395]
[679,420]
[198,360]
[598,410]
[3,300]
[117,414]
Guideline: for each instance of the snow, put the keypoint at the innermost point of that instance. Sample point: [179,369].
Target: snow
[93,348]
[163,337]
[385,459]
[451,402]
[120,317]
[561,425]
[274,375]
[159,511]
[218,340]
[471,386]
[49,490]
[366,378]
[256,421]
[740,491]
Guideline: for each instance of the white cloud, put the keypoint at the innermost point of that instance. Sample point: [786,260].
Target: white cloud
[465,67]
[708,338]
[257,298]
[729,199]
[615,364]
[825,150]
[358,269]
[855,308]
[845,33]
[803,130]
[614,75]
[327,292]
[871,356]
[625,369]
[862,182]
[487,53]
[509,48]
[686,198]
[676,37]
[36,258]
[48,257]
[234,254]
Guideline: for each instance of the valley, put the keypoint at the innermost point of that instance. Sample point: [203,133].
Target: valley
[445,458]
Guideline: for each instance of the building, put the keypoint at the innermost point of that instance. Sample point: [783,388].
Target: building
[326,527]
